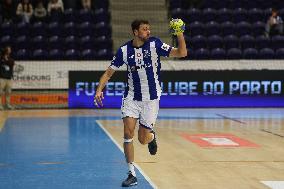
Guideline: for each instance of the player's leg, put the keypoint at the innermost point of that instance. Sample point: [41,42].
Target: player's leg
[129,127]
[146,134]
[8,92]
[130,114]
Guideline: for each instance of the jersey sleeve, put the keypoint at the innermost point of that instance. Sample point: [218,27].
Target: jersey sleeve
[163,49]
[117,60]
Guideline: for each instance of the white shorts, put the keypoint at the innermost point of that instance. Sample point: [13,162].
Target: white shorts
[145,111]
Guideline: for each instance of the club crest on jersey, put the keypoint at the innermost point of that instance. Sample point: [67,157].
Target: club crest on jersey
[165,46]
[138,54]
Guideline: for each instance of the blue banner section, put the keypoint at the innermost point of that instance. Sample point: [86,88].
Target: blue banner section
[183,89]
[86,101]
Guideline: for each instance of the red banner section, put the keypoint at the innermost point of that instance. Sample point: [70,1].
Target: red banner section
[40,99]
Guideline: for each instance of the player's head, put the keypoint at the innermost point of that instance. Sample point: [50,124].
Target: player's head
[274,12]
[7,50]
[141,29]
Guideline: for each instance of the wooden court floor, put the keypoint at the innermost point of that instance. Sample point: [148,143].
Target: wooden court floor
[200,148]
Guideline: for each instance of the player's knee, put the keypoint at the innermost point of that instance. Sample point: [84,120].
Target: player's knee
[128,134]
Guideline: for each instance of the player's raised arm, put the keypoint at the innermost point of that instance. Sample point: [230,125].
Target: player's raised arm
[177,27]
[103,81]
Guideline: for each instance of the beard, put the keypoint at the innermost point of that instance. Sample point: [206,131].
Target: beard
[144,39]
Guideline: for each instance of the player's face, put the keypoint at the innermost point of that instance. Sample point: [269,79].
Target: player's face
[9,50]
[144,32]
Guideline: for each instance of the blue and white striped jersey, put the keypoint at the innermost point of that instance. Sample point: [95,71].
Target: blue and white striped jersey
[143,67]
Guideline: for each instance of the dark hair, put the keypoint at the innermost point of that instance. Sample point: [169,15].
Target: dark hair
[28,6]
[136,23]
[5,50]
[274,10]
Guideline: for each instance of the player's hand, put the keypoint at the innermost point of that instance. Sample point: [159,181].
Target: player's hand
[177,26]
[98,100]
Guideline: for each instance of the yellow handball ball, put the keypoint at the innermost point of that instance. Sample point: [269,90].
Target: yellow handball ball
[176,24]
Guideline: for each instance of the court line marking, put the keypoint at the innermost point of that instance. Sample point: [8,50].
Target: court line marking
[274,184]
[276,161]
[120,148]
[270,132]
[49,163]
[232,119]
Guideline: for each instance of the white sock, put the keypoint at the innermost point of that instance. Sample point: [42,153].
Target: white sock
[131,169]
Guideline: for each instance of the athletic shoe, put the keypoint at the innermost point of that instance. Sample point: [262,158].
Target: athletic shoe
[130,181]
[152,146]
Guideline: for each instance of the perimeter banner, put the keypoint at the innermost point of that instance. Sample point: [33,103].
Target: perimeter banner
[183,89]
